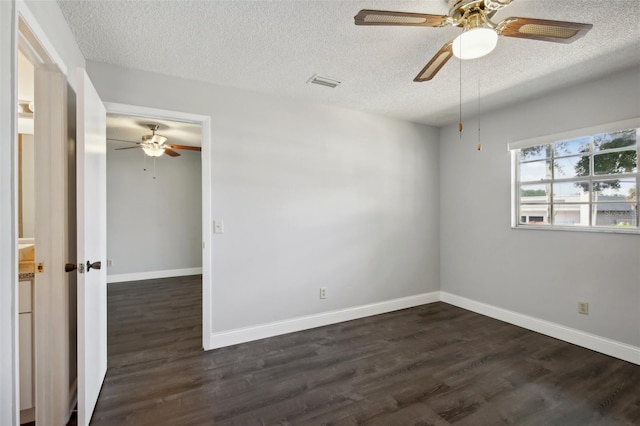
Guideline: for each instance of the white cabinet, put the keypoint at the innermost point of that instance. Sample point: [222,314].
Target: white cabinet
[25,338]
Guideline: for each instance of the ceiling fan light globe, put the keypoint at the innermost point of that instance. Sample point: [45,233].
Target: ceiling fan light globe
[153,151]
[475,43]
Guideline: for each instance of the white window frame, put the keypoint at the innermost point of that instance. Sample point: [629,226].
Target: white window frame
[515,147]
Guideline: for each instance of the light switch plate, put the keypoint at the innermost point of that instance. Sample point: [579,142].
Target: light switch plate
[218,227]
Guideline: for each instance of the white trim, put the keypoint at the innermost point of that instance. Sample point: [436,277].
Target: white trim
[247,334]
[600,229]
[586,131]
[9,382]
[41,37]
[594,342]
[160,114]
[577,337]
[207,233]
[207,217]
[152,275]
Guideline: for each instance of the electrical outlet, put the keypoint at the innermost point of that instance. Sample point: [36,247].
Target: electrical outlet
[109,262]
[583,308]
[323,292]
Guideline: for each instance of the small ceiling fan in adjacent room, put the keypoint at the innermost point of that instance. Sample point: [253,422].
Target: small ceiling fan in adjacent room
[155,145]
[480,34]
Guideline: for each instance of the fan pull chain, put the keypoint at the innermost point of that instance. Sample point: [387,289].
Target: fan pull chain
[154,167]
[479,140]
[460,125]
[144,161]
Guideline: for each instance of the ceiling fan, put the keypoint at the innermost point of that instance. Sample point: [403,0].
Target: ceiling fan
[480,34]
[155,145]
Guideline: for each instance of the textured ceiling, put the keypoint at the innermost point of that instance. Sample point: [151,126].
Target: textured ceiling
[276,46]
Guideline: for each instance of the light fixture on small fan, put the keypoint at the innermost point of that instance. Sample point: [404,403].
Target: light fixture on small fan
[480,32]
[476,41]
[153,150]
[154,145]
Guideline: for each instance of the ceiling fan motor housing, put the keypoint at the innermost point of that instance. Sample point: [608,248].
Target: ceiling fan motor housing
[460,9]
[496,4]
[157,139]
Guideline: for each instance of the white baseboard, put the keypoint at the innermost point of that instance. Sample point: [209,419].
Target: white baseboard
[241,335]
[139,276]
[577,337]
[587,340]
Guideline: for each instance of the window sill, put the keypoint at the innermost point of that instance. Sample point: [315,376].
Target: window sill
[634,231]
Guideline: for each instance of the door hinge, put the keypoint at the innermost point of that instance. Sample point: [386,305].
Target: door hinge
[39,268]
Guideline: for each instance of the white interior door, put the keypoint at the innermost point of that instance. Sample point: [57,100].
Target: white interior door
[92,246]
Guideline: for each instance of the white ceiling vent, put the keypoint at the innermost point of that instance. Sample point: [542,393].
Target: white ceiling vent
[323,81]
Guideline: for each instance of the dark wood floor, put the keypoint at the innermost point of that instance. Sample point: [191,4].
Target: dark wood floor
[430,365]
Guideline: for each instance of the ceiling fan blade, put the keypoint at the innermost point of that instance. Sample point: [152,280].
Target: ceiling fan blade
[437,62]
[122,140]
[171,153]
[185,147]
[543,29]
[387,17]
[129,147]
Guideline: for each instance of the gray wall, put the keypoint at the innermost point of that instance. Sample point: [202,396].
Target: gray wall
[310,196]
[153,224]
[537,273]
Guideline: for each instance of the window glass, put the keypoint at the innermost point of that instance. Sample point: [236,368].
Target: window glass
[537,152]
[535,171]
[614,190]
[573,146]
[620,139]
[611,163]
[571,214]
[619,215]
[590,181]
[534,214]
[570,192]
[535,194]
[568,167]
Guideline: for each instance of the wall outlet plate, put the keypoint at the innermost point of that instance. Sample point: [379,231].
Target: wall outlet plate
[323,292]
[583,308]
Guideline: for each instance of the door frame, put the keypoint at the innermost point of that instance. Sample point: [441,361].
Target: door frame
[207,218]
[9,404]
[51,380]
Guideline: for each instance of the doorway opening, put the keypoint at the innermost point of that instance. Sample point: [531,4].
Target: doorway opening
[154,202]
[158,214]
